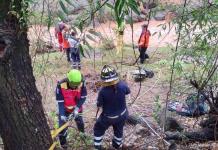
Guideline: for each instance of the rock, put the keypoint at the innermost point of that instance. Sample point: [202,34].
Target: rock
[173,135]
[160,15]
[172,125]
[172,145]
[149,5]
[142,131]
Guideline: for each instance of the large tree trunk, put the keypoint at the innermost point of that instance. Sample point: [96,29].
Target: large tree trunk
[23,123]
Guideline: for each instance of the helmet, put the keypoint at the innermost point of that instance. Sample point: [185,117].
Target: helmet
[109,74]
[74,77]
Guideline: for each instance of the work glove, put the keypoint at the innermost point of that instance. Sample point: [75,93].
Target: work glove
[64,118]
[76,112]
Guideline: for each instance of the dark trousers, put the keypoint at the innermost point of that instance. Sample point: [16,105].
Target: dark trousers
[103,123]
[63,134]
[75,58]
[68,53]
[143,55]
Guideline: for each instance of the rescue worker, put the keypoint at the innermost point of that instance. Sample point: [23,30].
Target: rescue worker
[58,34]
[70,95]
[111,99]
[74,51]
[143,43]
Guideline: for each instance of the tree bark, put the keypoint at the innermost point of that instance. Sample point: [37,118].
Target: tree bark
[23,123]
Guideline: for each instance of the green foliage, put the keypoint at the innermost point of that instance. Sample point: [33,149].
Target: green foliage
[65,10]
[53,119]
[196,54]
[199,26]
[20,9]
[157,107]
[79,140]
[122,8]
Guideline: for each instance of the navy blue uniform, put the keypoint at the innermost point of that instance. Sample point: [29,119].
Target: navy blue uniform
[114,113]
[62,110]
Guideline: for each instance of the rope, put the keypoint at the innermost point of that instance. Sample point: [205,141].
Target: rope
[148,125]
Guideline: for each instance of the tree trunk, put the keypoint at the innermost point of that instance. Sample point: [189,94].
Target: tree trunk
[22,121]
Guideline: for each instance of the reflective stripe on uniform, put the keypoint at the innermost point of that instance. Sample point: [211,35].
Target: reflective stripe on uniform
[63,134]
[98,138]
[114,117]
[118,143]
[97,143]
[60,101]
[83,96]
[118,139]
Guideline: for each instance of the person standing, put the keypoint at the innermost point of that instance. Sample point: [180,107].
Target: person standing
[111,99]
[58,34]
[74,51]
[66,44]
[143,43]
[71,94]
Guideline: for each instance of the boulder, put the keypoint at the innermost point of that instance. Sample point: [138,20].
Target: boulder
[160,15]
[171,124]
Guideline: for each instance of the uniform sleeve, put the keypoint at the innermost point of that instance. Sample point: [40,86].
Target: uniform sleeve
[60,100]
[83,95]
[100,99]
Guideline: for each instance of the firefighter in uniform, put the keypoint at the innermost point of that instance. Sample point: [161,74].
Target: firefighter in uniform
[70,95]
[111,99]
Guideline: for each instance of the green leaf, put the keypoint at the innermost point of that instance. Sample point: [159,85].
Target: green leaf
[65,10]
[88,45]
[120,7]
[98,34]
[116,6]
[90,37]
[133,5]
[87,52]
[49,20]
[70,3]
[81,50]
[61,15]
[154,33]
[109,5]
